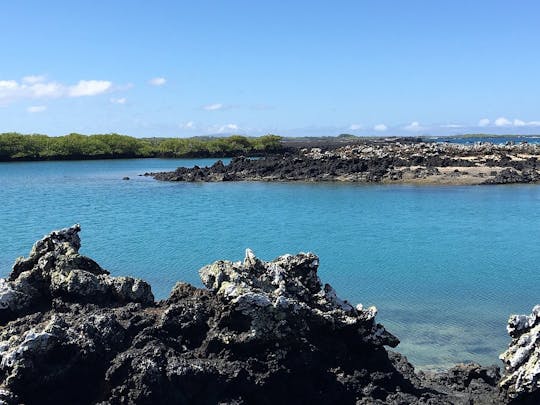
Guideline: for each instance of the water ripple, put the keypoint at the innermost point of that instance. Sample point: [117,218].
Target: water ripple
[444,265]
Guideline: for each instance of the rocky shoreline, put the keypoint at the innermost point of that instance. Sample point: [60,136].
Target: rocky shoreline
[259,333]
[384,162]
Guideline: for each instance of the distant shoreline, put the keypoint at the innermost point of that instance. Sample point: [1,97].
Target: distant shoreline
[15,147]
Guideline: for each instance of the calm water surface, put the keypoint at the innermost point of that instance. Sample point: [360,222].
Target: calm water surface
[444,265]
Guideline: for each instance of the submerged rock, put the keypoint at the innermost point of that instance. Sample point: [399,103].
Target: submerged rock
[260,333]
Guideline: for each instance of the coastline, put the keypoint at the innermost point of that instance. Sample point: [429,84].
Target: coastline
[384,163]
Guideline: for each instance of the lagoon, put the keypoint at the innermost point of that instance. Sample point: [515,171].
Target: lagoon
[445,265]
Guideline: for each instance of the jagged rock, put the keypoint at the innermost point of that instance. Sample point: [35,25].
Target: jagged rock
[522,359]
[54,268]
[386,162]
[271,293]
[263,332]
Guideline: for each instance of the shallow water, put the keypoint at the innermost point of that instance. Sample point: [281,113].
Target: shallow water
[444,265]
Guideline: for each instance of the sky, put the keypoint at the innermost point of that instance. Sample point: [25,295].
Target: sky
[297,68]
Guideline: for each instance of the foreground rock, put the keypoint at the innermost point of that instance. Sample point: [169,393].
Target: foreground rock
[261,333]
[394,162]
[522,359]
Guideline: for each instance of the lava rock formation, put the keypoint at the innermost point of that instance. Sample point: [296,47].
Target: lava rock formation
[260,333]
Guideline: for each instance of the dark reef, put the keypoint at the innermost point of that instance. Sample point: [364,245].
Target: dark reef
[260,333]
[389,162]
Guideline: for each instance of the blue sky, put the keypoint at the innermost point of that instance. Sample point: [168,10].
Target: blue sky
[179,68]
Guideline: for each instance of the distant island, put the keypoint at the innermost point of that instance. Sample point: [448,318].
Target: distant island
[35,147]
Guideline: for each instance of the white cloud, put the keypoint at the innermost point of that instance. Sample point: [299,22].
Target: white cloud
[89,88]
[188,125]
[380,127]
[228,127]
[12,90]
[121,100]
[484,122]
[33,79]
[355,127]
[157,81]
[36,87]
[452,126]
[503,122]
[414,126]
[8,84]
[36,108]
[521,123]
[213,107]
[43,90]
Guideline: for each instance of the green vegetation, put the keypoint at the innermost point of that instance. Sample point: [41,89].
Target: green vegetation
[15,146]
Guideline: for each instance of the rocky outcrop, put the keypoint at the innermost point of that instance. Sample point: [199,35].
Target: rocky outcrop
[394,162]
[55,270]
[522,359]
[260,333]
[274,294]
[513,176]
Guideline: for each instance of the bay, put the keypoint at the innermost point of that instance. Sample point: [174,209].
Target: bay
[445,266]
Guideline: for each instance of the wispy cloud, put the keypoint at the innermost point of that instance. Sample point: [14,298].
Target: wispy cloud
[121,100]
[213,107]
[355,127]
[414,126]
[188,125]
[37,87]
[36,108]
[484,122]
[452,126]
[228,128]
[123,87]
[33,79]
[520,123]
[157,81]
[380,127]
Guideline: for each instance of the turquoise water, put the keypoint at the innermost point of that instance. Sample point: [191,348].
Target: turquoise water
[444,265]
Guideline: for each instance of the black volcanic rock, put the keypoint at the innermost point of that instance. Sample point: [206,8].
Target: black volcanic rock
[260,333]
[375,163]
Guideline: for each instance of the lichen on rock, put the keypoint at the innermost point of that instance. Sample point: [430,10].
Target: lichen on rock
[272,292]
[54,268]
[522,359]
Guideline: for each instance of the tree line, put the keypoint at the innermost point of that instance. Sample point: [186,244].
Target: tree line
[15,146]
